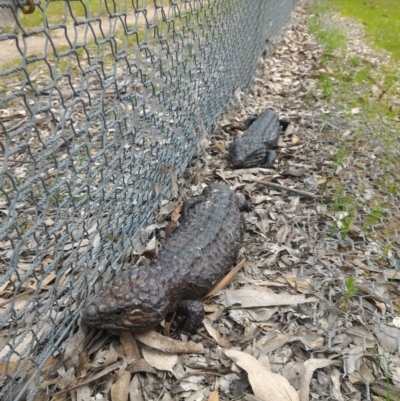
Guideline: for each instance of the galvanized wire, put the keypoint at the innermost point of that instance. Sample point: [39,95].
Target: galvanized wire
[101,106]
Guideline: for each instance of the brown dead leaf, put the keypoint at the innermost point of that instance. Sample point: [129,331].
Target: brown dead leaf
[141,365]
[362,375]
[216,311]
[329,69]
[82,393]
[266,385]
[301,285]
[166,344]
[45,283]
[253,298]
[388,337]
[214,396]
[167,325]
[311,365]
[283,231]
[396,322]
[295,139]
[219,147]
[83,365]
[11,367]
[176,213]
[160,360]
[336,381]
[389,275]
[273,341]
[290,130]
[149,254]
[170,229]
[23,340]
[120,389]
[251,397]
[96,376]
[56,397]
[20,300]
[215,334]
[104,358]
[235,125]
[135,390]
[75,347]
[25,294]
[130,347]
[295,171]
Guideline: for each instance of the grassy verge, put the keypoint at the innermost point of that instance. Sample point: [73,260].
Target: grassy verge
[364,143]
[56,12]
[380,19]
[368,94]
[345,76]
[375,89]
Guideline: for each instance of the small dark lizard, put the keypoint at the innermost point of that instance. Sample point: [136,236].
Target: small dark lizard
[193,259]
[254,147]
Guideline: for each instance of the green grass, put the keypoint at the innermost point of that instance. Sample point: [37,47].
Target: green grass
[67,63]
[349,290]
[345,207]
[374,216]
[392,189]
[362,74]
[61,11]
[341,201]
[387,247]
[381,20]
[332,39]
[355,82]
[326,84]
[23,228]
[56,197]
[344,74]
[341,154]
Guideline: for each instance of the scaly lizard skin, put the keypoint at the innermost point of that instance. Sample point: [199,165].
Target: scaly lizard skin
[254,147]
[194,258]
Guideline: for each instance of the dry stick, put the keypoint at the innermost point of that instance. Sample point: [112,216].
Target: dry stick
[23,294]
[225,281]
[206,337]
[277,186]
[106,371]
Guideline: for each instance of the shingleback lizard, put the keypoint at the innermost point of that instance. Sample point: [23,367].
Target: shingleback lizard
[254,147]
[193,259]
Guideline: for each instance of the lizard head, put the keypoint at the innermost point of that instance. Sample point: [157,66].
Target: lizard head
[131,302]
[245,152]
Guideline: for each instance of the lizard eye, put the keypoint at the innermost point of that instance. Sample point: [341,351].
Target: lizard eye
[119,312]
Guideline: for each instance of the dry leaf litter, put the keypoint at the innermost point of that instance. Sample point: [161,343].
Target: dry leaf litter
[287,327]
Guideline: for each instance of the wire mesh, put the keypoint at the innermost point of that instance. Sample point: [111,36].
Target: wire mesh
[102,103]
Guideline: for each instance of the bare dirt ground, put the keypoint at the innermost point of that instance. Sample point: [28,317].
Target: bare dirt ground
[313,313]
[70,34]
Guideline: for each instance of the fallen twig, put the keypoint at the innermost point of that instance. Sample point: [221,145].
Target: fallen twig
[283,188]
[225,281]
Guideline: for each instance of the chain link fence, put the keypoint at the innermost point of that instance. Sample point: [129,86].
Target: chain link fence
[102,104]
